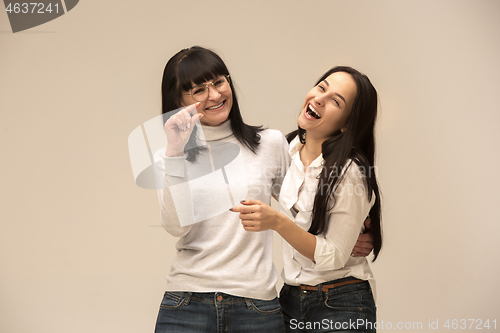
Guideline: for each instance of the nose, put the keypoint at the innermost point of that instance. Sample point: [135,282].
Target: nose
[213,94]
[319,99]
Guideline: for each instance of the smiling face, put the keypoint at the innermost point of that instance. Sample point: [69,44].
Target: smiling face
[328,105]
[215,108]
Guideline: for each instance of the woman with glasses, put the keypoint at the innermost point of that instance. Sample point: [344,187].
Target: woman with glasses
[328,191]
[222,278]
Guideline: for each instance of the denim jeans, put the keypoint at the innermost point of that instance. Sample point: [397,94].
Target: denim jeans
[188,312]
[348,308]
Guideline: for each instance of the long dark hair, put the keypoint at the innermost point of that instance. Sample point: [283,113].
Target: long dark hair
[356,143]
[197,65]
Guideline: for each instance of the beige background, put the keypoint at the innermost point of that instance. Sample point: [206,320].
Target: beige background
[81,249]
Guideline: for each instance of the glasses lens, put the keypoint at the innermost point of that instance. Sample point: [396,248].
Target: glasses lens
[221,83]
[200,92]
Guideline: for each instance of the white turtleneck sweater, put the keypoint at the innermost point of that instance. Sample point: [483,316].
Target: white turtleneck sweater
[215,253]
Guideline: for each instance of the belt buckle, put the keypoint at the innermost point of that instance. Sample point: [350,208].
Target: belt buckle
[326,287]
[305,288]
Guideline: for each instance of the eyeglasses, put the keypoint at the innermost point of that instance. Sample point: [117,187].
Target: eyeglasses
[200,92]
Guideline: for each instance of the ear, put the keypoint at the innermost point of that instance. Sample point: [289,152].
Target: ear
[343,129]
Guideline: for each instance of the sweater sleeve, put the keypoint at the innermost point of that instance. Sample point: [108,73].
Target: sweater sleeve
[333,248]
[176,211]
[283,164]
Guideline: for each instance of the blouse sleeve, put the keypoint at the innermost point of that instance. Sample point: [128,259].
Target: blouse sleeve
[176,211]
[334,247]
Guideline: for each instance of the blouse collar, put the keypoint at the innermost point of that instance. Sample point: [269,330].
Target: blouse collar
[295,146]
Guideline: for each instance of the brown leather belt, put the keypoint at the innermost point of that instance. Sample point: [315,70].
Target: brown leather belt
[326,287]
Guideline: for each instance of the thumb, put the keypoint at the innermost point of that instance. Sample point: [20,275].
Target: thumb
[192,108]
[195,118]
[368,223]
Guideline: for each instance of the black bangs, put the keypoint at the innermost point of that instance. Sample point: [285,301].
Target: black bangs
[199,67]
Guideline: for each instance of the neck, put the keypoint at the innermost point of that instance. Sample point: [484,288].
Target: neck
[311,150]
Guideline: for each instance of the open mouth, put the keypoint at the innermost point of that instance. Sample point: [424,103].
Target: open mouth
[218,106]
[312,113]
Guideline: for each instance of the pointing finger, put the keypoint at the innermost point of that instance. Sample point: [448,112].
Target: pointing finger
[244,209]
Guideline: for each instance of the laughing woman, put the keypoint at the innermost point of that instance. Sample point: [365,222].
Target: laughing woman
[326,195]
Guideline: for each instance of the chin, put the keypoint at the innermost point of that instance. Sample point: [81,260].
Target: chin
[302,123]
[215,121]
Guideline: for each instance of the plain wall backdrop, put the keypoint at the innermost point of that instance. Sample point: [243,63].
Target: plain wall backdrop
[81,247]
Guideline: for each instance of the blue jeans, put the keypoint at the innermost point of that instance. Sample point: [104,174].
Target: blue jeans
[188,312]
[348,308]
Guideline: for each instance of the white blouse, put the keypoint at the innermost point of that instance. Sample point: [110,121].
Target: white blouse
[332,255]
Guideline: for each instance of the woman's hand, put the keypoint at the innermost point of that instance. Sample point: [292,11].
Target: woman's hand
[257,216]
[364,244]
[179,128]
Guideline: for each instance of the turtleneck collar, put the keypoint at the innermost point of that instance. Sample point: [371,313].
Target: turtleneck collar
[214,133]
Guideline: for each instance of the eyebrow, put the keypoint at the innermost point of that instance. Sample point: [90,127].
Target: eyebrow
[341,97]
[204,84]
